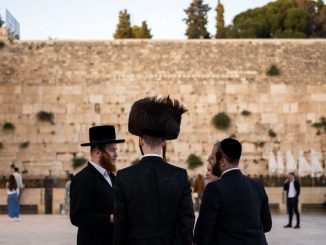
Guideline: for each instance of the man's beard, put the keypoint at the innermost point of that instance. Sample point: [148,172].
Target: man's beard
[141,150]
[107,163]
[216,169]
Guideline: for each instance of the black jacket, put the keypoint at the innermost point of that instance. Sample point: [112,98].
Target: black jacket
[296,187]
[153,204]
[91,203]
[234,211]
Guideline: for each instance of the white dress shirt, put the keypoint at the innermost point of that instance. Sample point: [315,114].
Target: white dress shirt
[292,192]
[103,172]
[152,155]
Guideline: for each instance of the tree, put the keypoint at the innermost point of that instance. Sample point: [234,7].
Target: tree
[123,28]
[281,19]
[197,20]
[141,32]
[1,21]
[220,33]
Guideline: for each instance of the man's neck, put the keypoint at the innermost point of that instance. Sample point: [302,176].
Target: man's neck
[148,150]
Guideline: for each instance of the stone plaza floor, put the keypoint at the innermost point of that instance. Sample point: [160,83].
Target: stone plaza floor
[57,230]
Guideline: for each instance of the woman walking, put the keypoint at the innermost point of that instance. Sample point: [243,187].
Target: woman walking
[13,201]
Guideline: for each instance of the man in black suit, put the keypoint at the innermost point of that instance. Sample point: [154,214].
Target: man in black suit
[292,188]
[235,208]
[153,198]
[91,191]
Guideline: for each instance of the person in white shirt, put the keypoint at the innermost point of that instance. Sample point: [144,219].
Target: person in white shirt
[19,180]
[292,188]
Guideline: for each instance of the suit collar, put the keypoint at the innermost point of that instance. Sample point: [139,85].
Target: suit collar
[231,171]
[152,155]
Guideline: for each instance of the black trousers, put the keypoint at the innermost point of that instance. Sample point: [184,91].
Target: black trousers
[292,206]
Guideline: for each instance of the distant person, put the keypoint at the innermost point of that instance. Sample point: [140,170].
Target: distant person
[66,205]
[210,177]
[19,180]
[199,187]
[235,208]
[13,200]
[91,190]
[292,188]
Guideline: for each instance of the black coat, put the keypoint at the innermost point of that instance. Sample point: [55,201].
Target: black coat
[91,203]
[234,211]
[296,187]
[153,204]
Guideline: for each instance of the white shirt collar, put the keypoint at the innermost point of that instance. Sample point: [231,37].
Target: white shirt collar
[228,170]
[152,155]
[99,168]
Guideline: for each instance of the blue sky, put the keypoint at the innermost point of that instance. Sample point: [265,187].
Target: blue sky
[97,19]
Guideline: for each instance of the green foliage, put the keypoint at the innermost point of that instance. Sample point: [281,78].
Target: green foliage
[273,71]
[194,161]
[24,145]
[44,116]
[281,19]
[271,133]
[221,121]
[135,161]
[1,145]
[8,126]
[321,124]
[124,27]
[78,162]
[141,32]
[196,20]
[260,144]
[2,44]
[220,33]
[245,113]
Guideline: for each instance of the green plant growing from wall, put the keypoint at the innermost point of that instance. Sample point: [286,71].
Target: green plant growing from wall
[78,162]
[245,113]
[44,116]
[135,161]
[273,71]
[260,144]
[221,121]
[194,161]
[2,44]
[321,124]
[271,133]
[233,136]
[8,126]
[1,145]
[24,145]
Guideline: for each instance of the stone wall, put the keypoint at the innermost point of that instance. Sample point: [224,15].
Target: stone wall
[92,83]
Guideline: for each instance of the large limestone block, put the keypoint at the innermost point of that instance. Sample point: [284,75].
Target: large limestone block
[269,118]
[278,89]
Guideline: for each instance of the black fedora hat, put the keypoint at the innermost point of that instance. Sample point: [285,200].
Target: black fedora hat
[101,135]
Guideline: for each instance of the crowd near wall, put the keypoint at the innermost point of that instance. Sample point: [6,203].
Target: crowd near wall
[95,82]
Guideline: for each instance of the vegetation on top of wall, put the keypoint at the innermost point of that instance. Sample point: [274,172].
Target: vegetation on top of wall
[221,121]
[271,133]
[273,71]
[44,116]
[24,145]
[8,126]
[78,162]
[2,44]
[194,161]
[245,113]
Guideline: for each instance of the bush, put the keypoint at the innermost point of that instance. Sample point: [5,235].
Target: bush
[78,161]
[135,161]
[44,116]
[2,44]
[8,126]
[221,121]
[321,124]
[24,145]
[1,145]
[245,113]
[233,136]
[273,71]
[271,133]
[194,161]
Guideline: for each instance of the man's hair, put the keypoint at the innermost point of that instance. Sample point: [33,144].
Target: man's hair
[16,169]
[229,159]
[292,173]
[99,147]
[152,141]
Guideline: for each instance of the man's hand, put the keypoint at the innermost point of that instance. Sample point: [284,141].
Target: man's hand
[111,219]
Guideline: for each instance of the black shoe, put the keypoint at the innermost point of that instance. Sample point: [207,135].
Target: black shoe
[288,226]
[296,227]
